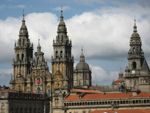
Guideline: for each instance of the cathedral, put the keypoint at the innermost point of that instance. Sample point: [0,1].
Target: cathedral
[34,89]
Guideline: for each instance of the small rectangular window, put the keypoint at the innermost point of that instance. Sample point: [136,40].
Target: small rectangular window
[2,106]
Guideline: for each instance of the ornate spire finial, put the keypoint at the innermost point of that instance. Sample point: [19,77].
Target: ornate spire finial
[61,17]
[82,49]
[82,55]
[38,47]
[23,14]
[38,42]
[134,27]
[61,10]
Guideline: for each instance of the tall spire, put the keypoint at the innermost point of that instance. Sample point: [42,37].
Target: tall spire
[23,29]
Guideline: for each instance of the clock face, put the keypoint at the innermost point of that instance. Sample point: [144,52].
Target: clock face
[133,72]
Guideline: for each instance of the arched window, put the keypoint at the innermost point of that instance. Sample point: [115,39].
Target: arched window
[85,82]
[38,60]
[134,50]
[39,90]
[22,57]
[64,94]
[2,106]
[34,107]
[17,57]
[79,82]
[56,54]
[62,39]
[25,106]
[134,65]
[49,92]
[137,49]
[69,54]
[20,106]
[16,106]
[61,53]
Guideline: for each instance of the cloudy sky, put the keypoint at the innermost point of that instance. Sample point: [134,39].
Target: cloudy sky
[102,27]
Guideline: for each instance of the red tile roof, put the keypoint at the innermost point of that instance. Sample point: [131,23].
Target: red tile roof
[86,91]
[119,80]
[143,94]
[106,96]
[122,111]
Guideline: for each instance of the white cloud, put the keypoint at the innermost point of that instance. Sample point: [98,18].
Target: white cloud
[99,75]
[104,33]
[63,8]
[12,6]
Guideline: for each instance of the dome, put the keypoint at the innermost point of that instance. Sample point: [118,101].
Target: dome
[135,35]
[82,65]
[61,22]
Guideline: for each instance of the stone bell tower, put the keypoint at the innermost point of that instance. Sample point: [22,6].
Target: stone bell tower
[62,60]
[23,56]
[137,73]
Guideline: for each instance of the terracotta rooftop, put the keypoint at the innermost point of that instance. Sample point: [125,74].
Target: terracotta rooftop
[119,80]
[122,111]
[86,91]
[106,96]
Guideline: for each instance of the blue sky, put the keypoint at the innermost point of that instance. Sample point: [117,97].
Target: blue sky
[102,27]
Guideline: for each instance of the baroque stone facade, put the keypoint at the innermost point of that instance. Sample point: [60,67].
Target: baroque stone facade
[29,75]
[67,90]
